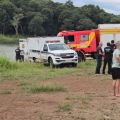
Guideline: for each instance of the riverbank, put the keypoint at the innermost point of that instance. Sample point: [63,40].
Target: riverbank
[8,44]
[9,39]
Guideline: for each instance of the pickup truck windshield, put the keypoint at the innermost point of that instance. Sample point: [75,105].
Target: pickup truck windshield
[58,47]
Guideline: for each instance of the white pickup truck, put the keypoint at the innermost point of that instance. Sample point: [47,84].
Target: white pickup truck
[49,50]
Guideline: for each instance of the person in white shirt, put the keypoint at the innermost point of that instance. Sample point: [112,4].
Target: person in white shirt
[116,70]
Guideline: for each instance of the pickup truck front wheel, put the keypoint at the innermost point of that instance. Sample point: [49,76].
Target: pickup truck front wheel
[51,64]
[74,65]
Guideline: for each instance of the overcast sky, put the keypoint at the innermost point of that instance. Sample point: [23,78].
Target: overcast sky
[111,6]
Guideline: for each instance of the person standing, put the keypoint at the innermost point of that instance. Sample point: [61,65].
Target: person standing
[99,58]
[17,51]
[112,45]
[107,58]
[21,55]
[116,70]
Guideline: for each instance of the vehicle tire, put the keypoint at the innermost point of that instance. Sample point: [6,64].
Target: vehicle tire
[74,65]
[51,64]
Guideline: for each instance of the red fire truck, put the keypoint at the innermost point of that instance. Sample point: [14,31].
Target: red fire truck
[84,42]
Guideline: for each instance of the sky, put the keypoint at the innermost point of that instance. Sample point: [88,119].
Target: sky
[110,6]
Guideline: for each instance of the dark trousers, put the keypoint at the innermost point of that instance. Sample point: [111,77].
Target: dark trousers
[109,62]
[98,66]
[22,58]
[18,58]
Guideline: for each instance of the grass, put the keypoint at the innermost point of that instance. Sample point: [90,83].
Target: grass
[84,100]
[30,75]
[5,64]
[6,92]
[45,88]
[64,107]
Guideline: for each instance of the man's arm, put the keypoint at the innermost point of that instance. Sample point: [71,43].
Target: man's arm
[100,52]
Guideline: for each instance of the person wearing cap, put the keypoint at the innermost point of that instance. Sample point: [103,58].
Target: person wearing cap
[107,58]
[99,56]
[116,70]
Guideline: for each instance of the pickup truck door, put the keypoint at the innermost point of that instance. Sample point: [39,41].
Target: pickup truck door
[44,54]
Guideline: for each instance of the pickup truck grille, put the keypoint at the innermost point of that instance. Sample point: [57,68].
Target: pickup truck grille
[67,55]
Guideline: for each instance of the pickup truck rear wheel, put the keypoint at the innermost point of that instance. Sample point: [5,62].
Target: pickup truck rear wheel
[51,63]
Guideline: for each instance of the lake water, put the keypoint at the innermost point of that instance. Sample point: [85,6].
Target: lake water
[8,51]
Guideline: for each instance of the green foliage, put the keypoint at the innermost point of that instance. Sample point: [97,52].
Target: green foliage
[85,24]
[45,88]
[35,26]
[33,78]
[115,19]
[45,17]
[8,39]
[6,64]
[7,9]
[69,3]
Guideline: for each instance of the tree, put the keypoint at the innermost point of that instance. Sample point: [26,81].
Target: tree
[45,17]
[69,3]
[85,24]
[7,10]
[16,21]
[36,26]
[94,13]
[115,19]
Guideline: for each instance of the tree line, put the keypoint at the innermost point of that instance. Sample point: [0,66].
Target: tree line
[45,17]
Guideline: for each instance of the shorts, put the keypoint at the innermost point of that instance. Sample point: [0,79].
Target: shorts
[115,73]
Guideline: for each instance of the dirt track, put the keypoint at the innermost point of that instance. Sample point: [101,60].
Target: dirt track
[86,98]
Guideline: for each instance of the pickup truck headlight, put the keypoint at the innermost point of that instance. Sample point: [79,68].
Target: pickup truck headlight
[75,54]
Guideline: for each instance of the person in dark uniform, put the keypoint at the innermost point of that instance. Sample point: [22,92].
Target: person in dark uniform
[112,45]
[99,58]
[107,58]
[17,51]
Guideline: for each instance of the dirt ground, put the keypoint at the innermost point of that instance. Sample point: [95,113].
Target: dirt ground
[85,98]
